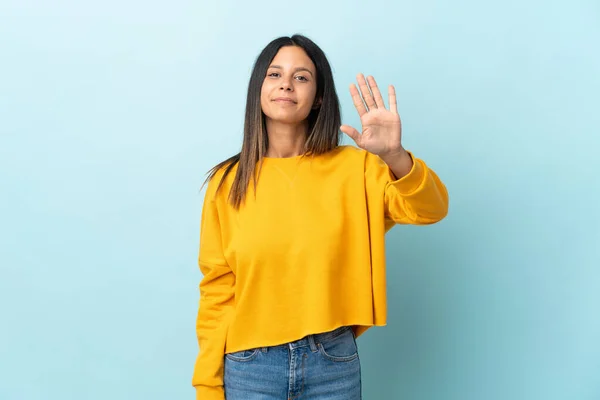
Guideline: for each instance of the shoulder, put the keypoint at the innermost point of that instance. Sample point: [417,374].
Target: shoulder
[350,155]
[348,152]
[220,182]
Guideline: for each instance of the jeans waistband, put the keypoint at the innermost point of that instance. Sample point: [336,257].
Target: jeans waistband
[312,340]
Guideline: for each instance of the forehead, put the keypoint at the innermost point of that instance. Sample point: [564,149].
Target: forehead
[293,57]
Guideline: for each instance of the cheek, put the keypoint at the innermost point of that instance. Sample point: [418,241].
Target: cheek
[263,94]
[264,98]
[309,98]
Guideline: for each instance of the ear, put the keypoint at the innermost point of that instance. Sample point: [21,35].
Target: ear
[317,103]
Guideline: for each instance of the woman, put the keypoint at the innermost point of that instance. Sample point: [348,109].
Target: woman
[292,233]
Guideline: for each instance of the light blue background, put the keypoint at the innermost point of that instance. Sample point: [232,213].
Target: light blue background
[111,112]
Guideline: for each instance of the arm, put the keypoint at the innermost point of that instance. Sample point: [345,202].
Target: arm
[418,197]
[216,305]
[413,193]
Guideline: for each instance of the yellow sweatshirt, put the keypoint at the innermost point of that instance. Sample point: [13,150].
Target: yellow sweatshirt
[305,255]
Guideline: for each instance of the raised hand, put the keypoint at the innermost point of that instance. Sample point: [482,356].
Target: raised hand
[381,128]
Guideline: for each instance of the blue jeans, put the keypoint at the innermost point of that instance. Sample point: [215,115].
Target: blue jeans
[321,367]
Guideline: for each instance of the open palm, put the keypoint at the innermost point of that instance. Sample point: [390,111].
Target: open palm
[381,128]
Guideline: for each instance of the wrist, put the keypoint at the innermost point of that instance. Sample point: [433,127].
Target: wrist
[396,156]
[400,162]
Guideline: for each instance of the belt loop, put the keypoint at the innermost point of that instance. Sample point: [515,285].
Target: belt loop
[313,344]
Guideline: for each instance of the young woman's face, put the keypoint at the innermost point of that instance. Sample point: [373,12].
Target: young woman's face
[290,86]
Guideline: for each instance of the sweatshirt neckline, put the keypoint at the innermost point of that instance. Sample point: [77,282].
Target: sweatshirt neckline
[283,159]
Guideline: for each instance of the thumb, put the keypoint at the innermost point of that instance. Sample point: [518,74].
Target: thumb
[350,131]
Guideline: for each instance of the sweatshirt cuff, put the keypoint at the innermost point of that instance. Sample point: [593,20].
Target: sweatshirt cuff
[210,393]
[412,181]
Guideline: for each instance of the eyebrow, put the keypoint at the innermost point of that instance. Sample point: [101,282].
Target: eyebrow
[296,70]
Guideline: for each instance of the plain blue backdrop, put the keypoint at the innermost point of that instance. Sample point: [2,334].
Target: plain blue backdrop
[111,112]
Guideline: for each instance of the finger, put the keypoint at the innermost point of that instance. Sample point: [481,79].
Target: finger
[376,93]
[350,131]
[392,99]
[357,100]
[365,92]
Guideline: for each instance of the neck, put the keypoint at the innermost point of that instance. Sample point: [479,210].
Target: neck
[286,140]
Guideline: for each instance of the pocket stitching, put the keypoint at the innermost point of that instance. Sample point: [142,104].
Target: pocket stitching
[338,359]
[243,359]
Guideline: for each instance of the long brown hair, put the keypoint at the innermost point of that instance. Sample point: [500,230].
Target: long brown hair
[323,122]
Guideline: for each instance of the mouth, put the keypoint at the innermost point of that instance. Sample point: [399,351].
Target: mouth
[285,100]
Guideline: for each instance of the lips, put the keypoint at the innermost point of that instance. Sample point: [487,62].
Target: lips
[284,100]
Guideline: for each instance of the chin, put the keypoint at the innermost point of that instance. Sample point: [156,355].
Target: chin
[287,117]
[287,121]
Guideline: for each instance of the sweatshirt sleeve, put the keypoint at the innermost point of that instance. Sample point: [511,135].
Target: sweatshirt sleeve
[216,304]
[418,198]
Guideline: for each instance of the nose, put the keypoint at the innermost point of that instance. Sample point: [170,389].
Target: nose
[286,84]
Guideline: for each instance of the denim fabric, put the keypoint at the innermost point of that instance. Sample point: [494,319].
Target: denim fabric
[321,367]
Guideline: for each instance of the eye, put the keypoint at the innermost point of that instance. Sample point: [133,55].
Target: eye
[273,74]
[302,78]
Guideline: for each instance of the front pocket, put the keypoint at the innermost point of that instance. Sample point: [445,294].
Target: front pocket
[342,348]
[242,356]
